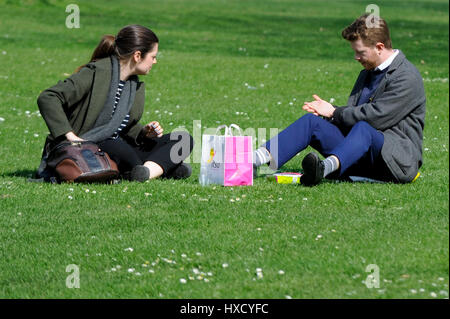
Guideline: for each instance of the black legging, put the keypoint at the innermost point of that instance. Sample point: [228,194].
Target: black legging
[158,150]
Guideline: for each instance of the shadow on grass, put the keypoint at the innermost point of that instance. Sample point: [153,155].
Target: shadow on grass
[25,173]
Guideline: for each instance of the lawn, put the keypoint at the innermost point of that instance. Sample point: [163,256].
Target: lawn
[252,63]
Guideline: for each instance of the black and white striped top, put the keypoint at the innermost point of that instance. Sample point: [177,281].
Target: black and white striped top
[116,102]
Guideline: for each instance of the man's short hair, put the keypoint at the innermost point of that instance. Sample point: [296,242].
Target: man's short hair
[377,31]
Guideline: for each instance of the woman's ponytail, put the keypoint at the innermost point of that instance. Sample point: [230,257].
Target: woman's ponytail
[105,48]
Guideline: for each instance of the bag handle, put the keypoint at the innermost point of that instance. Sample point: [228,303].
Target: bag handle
[235,126]
[229,129]
[221,127]
[67,143]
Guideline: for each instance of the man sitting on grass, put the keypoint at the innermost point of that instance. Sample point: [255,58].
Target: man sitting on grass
[378,134]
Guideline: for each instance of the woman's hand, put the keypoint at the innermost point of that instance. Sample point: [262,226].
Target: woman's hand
[71,137]
[319,107]
[153,129]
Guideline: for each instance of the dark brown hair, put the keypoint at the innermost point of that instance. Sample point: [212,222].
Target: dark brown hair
[369,35]
[130,39]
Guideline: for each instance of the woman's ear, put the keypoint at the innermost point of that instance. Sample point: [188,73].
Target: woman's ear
[137,56]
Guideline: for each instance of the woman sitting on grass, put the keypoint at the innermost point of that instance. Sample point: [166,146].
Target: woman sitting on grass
[104,101]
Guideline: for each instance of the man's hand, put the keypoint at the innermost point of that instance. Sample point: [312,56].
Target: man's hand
[319,107]
[153,129]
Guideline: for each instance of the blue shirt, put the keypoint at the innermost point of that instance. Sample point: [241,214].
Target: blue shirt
[373,79]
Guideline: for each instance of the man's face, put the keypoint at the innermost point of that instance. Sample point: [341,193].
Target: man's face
[369,57]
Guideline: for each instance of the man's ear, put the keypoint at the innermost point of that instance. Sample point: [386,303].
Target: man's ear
[380,47]
[137,56]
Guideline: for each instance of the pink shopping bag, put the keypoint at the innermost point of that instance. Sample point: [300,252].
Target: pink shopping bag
[238,165]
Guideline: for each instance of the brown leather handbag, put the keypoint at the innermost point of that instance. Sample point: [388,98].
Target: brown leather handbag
[82,162]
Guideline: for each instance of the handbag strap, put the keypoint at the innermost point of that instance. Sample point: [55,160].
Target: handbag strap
[67,143]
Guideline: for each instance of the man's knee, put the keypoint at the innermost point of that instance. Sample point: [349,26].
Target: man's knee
[362,128]
[310,117]
[365,133]
[362,125]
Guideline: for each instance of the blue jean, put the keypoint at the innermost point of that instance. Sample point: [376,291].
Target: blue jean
[359,151]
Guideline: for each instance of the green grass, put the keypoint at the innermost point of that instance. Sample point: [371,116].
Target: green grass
[208,51]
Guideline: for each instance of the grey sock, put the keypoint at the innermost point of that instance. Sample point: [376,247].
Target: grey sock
[261,156]
[331,164]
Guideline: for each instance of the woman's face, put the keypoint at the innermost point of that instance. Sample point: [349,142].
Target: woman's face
[144,65]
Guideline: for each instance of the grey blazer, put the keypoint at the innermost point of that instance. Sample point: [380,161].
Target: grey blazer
[397,109]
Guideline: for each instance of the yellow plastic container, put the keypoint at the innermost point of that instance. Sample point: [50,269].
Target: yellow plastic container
[285,178]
